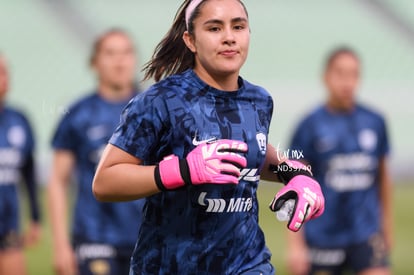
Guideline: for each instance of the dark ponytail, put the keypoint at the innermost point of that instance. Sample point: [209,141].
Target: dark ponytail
[171,55]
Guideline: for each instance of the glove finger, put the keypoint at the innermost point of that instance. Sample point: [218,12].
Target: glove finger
[229,169]
[281,197]
[300,215]
[276,204]
[317,214]
[226,179]
[235,159]
[232,146]
[240,149]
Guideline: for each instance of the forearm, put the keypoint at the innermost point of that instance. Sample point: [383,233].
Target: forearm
[271,159]
[34,202]
[296,240]
[386,194]
[297,254]
[56,196]
[31,187]
[123,182]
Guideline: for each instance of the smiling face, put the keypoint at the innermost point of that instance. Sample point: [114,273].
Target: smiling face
[220,40]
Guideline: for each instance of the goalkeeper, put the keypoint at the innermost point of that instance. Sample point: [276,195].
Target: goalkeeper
[195,145]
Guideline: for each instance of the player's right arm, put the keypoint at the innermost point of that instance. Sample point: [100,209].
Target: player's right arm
[64,257]
[121,176]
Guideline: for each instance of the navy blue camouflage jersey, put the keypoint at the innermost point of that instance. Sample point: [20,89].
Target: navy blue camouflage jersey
[16,165]
[204,229]
[344,150]
[85,130]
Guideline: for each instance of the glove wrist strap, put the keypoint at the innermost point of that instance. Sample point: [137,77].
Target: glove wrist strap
[157,178]
[168,173]
[289,169]
[185,172]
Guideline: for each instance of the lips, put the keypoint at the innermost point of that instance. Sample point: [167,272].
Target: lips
[229,53]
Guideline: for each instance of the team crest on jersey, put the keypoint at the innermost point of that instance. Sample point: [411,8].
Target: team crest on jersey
[262,142]
[16,136]
[367,139]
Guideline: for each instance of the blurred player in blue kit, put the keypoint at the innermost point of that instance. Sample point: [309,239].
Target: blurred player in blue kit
[195,145]
[17,164]
[103,234]
[346,144]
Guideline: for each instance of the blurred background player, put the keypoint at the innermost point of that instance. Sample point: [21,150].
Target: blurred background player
[103,234]
[16,164]
[346,144]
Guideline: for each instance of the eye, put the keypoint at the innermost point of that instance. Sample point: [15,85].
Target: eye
[239,26]
[214,29]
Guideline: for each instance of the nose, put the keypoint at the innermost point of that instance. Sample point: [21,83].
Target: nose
[228,36]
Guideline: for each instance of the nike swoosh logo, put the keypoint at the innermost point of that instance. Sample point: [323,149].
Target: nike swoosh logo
[198,142]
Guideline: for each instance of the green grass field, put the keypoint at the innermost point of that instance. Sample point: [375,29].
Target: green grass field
[39,257]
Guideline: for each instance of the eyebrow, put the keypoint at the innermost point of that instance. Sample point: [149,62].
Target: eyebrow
[234,20]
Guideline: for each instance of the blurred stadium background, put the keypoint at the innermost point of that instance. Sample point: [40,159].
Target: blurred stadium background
[47,43]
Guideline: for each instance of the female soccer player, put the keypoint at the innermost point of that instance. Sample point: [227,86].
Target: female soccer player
[103,234]
[16,163]
[195,145]
[346,143]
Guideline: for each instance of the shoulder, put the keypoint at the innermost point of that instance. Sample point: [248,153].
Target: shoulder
[371,118]
[369,112]
[256,89]
[83,102]
[76,115]
[176,85]
[165,90]
[315,114]
[259,95]
[16,115]
[80,107]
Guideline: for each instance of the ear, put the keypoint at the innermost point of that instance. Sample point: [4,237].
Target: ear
[189,41]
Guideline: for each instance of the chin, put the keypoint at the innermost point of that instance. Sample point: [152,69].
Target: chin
[348,106]
[230,67]
[229,70]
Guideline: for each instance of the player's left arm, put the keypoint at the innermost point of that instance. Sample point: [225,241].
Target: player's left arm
[299,186]
[28,174]
[386,195]
[272,158]
[33,231]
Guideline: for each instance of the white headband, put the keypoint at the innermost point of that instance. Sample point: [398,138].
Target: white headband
[190,10]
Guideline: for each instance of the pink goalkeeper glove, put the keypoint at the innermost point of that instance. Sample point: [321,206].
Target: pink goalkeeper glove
[217,162]
[309,200]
